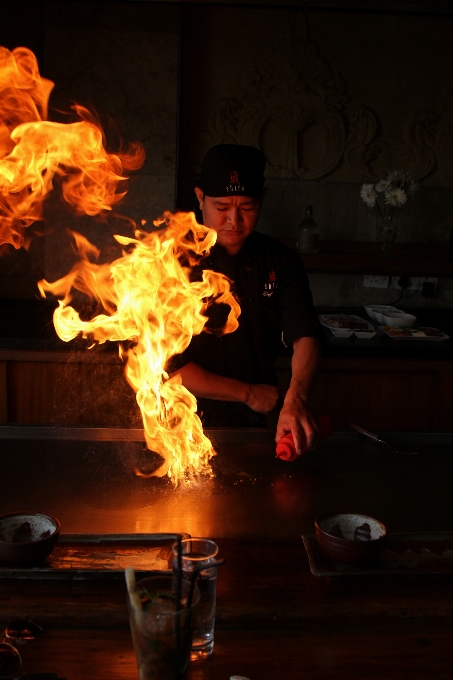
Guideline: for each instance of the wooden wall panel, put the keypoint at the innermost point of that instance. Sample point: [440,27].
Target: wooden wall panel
[3,393]
[412,396]
[382,394]
[402,400]
[443,402]
[93,395]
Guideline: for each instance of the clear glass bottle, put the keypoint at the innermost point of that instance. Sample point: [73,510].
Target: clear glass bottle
[308,233]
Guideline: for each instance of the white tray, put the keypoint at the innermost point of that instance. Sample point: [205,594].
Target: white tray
[397,333]
[331,321]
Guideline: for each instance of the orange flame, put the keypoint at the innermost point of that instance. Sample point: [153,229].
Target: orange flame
[33,150]
[147,295]
[151,302]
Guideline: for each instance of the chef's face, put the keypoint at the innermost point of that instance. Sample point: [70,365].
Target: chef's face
[232,217]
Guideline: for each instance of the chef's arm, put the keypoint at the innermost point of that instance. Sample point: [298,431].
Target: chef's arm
[203,383]
[295,415]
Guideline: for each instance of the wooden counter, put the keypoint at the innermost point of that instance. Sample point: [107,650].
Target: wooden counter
[275,619]
[380,383]
[66,388]
[89,389]
[414,395]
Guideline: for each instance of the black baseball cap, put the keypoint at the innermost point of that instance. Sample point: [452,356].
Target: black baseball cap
[232,170]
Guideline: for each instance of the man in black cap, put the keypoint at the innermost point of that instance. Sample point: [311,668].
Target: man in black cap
[233,376]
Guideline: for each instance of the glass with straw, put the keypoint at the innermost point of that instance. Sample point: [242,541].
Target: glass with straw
[161,615]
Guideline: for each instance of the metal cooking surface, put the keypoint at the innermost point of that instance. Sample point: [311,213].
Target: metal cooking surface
[91,486]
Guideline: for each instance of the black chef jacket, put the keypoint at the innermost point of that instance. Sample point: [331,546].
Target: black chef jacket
[271,285]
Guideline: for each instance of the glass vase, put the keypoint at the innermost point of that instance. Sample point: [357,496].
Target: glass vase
[387,220]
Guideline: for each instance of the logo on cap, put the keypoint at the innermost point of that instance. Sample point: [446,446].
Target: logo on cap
[234,186]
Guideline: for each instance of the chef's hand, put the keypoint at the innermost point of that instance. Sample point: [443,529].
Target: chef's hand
[262,398]
[295,417]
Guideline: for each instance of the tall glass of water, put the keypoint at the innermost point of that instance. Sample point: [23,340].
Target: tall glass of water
[200,552]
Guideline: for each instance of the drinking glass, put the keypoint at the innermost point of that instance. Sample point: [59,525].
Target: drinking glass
[17,632]
[198,552]
[162,631]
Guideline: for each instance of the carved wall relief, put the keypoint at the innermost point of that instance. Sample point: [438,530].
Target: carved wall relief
[291,108]
[296,109]
[373,158]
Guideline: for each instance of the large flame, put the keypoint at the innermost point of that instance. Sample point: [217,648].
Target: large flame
[150,300]
[33,150]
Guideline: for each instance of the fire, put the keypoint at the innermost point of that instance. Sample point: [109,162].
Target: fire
[151,302]
[148,297]
[33,150]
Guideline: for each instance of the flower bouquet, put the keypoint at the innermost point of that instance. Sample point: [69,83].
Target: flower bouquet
[388,197]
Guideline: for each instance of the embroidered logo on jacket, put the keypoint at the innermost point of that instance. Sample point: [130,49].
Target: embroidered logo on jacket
[271,285]
[234,186]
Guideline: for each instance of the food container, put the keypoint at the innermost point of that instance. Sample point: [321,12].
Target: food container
[399,319]
[350,538]
[343,334]
[364,335]
[377,315]
[414,333]
[27,538]
[375,311]
[344,326]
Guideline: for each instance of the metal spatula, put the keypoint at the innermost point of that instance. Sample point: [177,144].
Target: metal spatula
[375,438]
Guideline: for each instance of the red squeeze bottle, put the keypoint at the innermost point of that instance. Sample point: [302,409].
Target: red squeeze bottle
[286,449]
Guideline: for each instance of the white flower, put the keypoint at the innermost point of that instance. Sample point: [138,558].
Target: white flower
[382,185]
[368,194]
[394,190]
[396,176]
[395,196]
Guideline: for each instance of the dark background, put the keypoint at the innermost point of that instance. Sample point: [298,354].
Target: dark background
[336,93]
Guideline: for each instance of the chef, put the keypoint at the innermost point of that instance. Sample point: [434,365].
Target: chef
[233,375]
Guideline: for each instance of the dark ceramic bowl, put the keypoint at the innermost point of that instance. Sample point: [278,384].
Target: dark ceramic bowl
[350,538]
[27,538]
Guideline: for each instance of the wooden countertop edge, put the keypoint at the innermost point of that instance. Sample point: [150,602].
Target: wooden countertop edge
[327,364]
[375,364]
[386,364]
[59,356]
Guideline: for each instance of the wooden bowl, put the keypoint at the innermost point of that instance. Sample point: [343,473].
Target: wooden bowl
[27,538]
[350,538]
